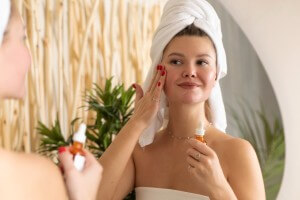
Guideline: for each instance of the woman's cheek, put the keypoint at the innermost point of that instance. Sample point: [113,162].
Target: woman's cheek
[209,77]
[169,82]
[167,85]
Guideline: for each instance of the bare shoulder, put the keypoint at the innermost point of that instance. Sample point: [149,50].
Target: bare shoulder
[37,177]
[234,152]
[232,145]
[240,166]
[241,154]
[237,146]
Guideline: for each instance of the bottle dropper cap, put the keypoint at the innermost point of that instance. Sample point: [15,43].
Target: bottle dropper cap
[201,130]
[80,136]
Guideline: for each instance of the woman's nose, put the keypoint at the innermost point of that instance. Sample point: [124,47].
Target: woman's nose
[189,72]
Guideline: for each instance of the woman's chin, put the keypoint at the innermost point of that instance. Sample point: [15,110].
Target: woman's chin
[187,100]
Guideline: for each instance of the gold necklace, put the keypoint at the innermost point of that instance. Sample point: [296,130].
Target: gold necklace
[188,137]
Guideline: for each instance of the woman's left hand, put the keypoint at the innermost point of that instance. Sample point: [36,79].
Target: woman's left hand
[204,165]
[80,184]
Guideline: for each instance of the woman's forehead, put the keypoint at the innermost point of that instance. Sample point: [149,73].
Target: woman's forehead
[190,44]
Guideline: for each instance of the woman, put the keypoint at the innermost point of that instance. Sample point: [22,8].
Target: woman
[29,176]
[184,90]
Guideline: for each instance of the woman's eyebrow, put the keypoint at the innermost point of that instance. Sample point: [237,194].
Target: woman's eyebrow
[176,54]
[205,54]
[181,55]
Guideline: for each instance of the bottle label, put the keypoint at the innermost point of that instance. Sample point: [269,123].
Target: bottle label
[79,162]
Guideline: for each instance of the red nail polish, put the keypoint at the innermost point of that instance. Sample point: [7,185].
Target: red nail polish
[133,85]
[158,84]
[160,67]
[61,149]
[157,67]
[163,72]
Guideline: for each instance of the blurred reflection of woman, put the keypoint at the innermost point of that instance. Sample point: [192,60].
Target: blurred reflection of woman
[29,176]
[182,88]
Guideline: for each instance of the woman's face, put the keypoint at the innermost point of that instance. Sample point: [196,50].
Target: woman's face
[15,59]
[190,63]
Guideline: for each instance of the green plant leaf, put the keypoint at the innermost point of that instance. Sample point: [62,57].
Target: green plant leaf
[267,138]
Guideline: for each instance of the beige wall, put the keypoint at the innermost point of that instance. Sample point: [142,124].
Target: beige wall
[273,28]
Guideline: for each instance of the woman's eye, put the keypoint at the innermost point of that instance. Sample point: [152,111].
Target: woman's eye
[202,62]
[175,62]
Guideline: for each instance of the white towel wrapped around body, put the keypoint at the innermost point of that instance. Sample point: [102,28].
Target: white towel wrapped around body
[177,15]
[4,17]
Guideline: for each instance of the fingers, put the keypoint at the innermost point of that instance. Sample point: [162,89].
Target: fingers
[156,79]
[65,158]
[92,166]
[193,164]
[158,69]
[201,147]
[91,161]
[196,155]
[155,87]
[160,85]
[139,93]
[67,163]
[192,161]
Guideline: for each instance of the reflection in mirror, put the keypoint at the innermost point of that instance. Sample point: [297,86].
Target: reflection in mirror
[114,40]
[252,109]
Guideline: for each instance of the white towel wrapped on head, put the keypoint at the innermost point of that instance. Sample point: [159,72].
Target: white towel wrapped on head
[177,15]
[4,17]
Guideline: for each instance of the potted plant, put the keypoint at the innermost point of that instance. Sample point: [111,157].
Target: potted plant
[112,107]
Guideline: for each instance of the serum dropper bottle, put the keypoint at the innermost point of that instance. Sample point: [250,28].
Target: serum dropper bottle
[200,133]
[77,148]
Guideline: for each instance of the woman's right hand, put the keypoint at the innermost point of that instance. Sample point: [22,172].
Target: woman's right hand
[146,105]
[80,184]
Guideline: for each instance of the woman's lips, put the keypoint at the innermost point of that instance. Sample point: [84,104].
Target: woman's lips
[188,85]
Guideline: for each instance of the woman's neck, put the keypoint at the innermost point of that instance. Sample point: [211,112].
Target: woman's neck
[184,119]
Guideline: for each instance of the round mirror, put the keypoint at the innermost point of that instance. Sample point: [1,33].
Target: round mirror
[273,28]
[251,106]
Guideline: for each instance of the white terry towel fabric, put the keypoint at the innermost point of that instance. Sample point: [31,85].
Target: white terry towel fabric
[178,14]
[4,17]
